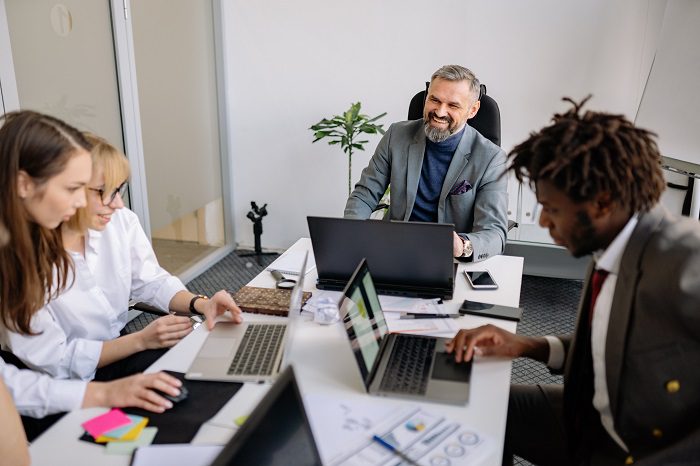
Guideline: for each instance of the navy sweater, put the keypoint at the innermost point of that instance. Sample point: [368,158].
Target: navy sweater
[436,161]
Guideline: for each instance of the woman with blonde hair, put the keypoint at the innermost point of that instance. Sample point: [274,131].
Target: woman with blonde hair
[78,332]
[45,165]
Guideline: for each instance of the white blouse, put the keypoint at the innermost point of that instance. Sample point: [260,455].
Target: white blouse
[119,265]
[38,395]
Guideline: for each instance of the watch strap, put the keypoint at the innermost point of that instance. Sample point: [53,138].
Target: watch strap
[194,299]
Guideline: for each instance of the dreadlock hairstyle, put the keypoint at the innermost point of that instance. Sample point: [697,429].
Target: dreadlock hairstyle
[584,155]
[34,267]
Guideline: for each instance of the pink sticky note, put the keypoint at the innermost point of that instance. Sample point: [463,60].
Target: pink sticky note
[105,422]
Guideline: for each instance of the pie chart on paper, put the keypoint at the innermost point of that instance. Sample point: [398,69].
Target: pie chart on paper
[415,425]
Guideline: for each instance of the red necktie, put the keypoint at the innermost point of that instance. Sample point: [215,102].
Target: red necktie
[597,280]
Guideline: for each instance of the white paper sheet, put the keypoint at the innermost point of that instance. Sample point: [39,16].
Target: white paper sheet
[176,455]
[344,431]
[413,305]
[442,327]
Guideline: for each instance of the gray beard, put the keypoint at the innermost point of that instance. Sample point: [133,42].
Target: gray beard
[436,134]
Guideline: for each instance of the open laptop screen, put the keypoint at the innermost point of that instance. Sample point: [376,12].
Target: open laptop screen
[293,316]
[363,318]
[277,432]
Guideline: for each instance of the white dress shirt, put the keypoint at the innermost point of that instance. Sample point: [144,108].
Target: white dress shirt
[119,264]
[608,260]
[38,395]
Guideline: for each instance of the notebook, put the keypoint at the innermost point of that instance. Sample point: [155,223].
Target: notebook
[251,351]
[277,432]
[394,364]
[407,258]
[271,301]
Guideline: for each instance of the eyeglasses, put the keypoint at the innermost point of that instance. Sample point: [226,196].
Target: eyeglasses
[121,190]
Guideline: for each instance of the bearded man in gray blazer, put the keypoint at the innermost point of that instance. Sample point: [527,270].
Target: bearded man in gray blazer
[441,170]
[631,379]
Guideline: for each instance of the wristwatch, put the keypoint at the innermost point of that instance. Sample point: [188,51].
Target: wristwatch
[194,300]
[467,249]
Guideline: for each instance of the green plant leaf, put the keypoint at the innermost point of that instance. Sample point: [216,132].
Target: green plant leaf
[343,129]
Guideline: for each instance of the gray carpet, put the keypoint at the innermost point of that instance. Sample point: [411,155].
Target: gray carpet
[230,273]
[549,306]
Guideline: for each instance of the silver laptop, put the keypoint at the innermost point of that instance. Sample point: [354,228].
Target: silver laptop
[394,364]
[251,351]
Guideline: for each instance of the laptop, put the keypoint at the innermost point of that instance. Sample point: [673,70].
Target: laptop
[250,351]
[394,364]
[408,258]
[276,433]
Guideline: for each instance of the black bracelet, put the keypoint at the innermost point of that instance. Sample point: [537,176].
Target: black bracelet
[193,300]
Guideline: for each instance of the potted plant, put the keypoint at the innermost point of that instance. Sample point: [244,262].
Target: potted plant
[345,129]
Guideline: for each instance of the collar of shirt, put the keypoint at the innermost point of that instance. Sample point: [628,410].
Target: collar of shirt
[93,241]
[609,258]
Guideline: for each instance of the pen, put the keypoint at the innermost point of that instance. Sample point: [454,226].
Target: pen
[409,315]
[393,449]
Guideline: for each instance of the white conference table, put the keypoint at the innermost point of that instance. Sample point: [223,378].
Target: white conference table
[324,364]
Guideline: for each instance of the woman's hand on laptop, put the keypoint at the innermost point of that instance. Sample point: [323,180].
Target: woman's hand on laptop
[134,391]
[218,305]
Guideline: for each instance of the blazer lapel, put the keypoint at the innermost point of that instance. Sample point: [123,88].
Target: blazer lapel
[577,372]
[623,300]
[416,151]
[581,325]
[457,165]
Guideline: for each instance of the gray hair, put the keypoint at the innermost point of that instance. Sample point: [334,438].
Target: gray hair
[458,73]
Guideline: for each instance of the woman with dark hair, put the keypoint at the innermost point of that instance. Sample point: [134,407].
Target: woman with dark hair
[45,165]
[77,334]
[13,441]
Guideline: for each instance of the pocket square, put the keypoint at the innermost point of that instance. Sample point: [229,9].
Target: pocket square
[460,188]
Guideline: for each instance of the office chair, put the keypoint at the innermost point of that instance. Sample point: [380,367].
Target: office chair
[487,120]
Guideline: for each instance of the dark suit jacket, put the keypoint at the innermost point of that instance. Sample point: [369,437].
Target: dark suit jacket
[474,194]
[652,348]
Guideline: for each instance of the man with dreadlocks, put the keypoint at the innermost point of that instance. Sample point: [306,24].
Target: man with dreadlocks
[631,391]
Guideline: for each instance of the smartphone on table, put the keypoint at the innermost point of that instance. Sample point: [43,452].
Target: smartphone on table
[480,279]
[495,311]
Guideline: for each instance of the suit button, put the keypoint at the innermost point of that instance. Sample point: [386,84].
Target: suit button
[629,460]
[658,433]
[672,386]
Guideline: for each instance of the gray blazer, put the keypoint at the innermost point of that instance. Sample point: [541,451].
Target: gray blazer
[474,195]
[652,350]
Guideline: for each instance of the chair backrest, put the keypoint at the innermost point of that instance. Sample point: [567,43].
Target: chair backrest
[487,120]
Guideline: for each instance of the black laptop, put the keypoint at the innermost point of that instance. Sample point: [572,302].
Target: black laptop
[408,258]
[277,432]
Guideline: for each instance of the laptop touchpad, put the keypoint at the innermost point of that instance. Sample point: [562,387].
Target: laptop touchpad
[217,347]
[445,368]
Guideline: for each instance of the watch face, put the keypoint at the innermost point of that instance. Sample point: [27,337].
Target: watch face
[468,249]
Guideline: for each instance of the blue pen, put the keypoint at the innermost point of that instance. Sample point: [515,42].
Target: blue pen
[393,449]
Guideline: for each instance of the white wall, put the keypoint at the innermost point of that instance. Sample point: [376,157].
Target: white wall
[289,64]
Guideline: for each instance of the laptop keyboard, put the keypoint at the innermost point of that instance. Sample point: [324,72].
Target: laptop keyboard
[409,365]
[258,350]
